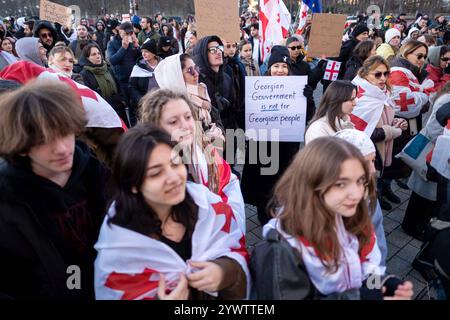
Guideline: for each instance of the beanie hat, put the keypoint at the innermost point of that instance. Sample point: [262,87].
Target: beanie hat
[357,138]
[391,33]
[150,45]
[165,41]
[279,54]
[360,28]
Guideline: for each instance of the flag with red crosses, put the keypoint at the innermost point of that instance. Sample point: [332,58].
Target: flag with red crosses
[129,264]
[98,112]
[370,103]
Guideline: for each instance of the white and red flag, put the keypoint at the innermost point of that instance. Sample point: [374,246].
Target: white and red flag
[332,70]
[99,113]
[129,264]
[274,22]
[370,102]
[302,15]
[408,96]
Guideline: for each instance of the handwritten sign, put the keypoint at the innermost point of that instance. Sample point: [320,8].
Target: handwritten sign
[218,17]
[275,108]
[326,35]
[54,12]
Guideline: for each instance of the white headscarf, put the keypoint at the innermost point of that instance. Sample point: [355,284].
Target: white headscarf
[168,74]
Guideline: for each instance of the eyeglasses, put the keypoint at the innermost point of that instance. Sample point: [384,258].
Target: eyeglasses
[46,35]
[229,46]
[445,59]
[421,56]
[193,70]
[215,49]
[295,48]
[378,74]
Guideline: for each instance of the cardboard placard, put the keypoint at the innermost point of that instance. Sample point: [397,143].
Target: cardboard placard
[275,108]
[218,17]
[54,12]
[326,35]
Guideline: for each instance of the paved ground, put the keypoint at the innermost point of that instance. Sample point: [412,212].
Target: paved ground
[401,248]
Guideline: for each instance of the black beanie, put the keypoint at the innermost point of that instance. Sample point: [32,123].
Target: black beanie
[360,28]
[279,54]
[150,45]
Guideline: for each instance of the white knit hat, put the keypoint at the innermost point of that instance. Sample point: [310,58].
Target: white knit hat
[390,33]
[357,138]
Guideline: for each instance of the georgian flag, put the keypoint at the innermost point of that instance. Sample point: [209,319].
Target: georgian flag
[128,263]
[408,96]
[271,24]
[99,113]
[332,70]
[370,102]
[355,267]
[302,15]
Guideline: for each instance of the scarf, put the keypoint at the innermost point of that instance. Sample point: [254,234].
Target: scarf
[353,268]
[128,263]
[370,103]
[251,68]
[59,71]
[104,79]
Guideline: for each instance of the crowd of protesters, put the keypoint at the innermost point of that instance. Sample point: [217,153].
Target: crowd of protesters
[139,196]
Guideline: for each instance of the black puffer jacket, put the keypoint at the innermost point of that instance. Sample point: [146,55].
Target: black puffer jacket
[220,87]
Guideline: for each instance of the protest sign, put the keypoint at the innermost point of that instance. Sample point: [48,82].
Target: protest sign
[326,35]
[126,18]
[275,108]
[218,17]
[54,12]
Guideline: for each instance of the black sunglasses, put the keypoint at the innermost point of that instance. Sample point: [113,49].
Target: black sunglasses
[445,59]
[295,48]
[193,70]
[379,74]
[421,56]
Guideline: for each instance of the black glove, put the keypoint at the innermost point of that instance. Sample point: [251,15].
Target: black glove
[308,92]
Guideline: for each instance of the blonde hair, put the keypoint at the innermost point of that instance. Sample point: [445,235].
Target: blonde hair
[150,111]
[38,113]
[410,47]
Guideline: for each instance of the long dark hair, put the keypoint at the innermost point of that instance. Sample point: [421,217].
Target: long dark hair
[331,104]
[129,172]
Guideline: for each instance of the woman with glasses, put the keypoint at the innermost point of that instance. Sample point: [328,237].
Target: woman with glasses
[142,78]
[179,73]
[375,116]
[438,66]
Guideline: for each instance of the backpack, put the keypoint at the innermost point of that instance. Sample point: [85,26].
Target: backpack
[278,271]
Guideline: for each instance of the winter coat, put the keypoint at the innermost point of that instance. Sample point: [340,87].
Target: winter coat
[122,60]
[142,36]
[100,35]
[352,67]
[236,70]
[45,229]
[321,128]
[219,84]
[432,130]
[434,70]
[142,80]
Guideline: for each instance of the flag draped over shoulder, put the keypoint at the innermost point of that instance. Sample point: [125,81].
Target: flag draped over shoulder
[128,263]
[370,102]
[98,112]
